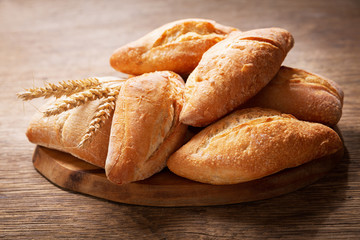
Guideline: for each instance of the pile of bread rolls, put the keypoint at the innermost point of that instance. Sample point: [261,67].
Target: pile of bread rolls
[256,116]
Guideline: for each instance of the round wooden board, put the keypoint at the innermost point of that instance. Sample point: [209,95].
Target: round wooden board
[167,189]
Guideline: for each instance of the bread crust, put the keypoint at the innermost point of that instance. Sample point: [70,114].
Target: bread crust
[145,128]
[250,144]
[176,46]
[64,132]
[305,95]
[231,72]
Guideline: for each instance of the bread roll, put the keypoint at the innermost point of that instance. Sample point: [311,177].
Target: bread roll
[231,72]
[305,95]
[250,144]
[145,128]
[176,46]
[64,132]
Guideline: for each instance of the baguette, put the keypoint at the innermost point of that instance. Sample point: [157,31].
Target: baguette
[176,46]
[145,128]
[233,71]
[305,95]
[250,144]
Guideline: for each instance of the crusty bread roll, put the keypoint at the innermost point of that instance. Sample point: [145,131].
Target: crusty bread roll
[145,128]
[305,95]
[232,71]
[176,46]
[65,131]
[250,144]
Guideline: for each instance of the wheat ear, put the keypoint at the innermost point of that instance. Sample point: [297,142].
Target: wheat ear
[64,88]
[102,113]
[76,100]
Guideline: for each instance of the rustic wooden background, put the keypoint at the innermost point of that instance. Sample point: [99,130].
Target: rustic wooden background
[48,41]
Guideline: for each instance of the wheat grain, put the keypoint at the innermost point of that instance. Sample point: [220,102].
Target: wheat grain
[76,100]
[64,88]
[102,113]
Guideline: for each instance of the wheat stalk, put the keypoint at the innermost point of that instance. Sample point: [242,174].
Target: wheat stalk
[76,100]
[64,88]
[103,112]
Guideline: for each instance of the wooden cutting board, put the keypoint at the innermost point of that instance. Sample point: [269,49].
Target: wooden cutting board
[167,189]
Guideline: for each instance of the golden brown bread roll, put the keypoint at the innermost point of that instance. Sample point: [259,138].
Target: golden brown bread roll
[232,71]
[305,95]
[65,131]
[250,144]
[176,46]
[145,128]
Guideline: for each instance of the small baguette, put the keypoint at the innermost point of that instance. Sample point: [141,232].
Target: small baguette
[145,128]
[233,71]
[64,132]
[176,46]
[250,144]
[305,95]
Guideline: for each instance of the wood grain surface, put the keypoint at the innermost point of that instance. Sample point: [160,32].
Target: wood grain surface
[48,41]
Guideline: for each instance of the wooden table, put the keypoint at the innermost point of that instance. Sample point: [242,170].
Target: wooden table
[49,41]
